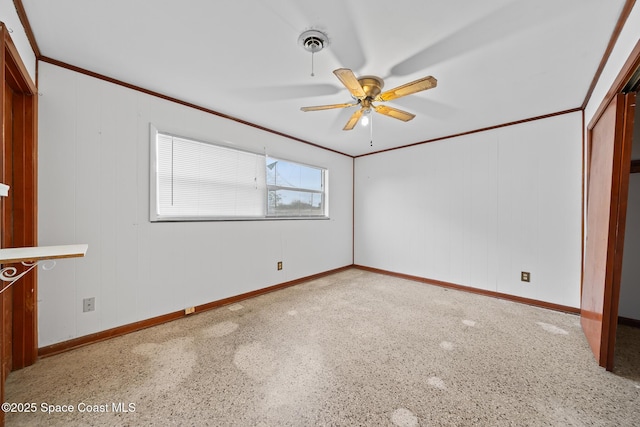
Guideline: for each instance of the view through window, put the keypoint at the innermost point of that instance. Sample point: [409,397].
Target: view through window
[294,189]
[195,180]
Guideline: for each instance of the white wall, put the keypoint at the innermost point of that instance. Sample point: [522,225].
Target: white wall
[94,188]
[630,291]
[630,281]
[9,16]
[477,210]
[626,42]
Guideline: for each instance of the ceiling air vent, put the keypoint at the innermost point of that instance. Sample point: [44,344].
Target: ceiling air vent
[313,41]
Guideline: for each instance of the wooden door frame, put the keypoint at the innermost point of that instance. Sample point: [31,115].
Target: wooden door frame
[23,192]
[599,306]
[620,176]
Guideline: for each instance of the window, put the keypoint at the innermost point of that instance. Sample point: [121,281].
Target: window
[294,189]
[194,180]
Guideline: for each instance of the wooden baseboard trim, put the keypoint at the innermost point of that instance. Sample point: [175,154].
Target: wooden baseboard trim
[64,346]
[528,301]
[628,322]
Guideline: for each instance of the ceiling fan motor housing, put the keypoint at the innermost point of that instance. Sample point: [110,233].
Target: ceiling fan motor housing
[371,85]
[368,89]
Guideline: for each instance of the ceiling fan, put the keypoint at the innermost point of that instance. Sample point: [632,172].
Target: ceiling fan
[368,89]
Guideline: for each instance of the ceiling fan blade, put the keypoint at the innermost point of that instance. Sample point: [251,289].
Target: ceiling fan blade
[394,112]
[287,92]
[353,120]
[514,18]
[327,107]
[350,81]
[409,88]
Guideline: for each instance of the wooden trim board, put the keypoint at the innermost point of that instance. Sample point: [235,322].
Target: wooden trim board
[18,169]
[37,253]
[225,116]
[622,19]
[64,346]
[517,122]
[626,72]
[61,347]
[528,301]
[635,323]
[178,101]
[22,15]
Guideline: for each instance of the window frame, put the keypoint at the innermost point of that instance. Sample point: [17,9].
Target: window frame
[154,195]
[324,193]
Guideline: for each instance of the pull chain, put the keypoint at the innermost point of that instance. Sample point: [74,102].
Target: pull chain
[371,129]
[313,41]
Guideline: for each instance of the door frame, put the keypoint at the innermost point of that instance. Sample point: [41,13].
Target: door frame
[609,143]
[620,175]
[23,194]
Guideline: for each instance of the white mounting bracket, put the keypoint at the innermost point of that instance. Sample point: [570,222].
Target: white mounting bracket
[31,257]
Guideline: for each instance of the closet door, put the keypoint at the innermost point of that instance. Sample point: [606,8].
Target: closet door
[607,192]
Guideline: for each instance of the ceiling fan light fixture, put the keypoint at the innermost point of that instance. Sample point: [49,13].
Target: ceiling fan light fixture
[368,89]
[365,117]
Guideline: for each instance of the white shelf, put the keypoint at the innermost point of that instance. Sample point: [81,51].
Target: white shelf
[38,253]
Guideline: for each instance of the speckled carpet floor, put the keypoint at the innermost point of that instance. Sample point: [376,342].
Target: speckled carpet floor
[350,349]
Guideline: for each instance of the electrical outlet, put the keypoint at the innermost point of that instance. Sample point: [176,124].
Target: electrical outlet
[279,265]
[189,310]
[525,276]
[88,304]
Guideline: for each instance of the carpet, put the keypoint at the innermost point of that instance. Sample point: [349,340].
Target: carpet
[351,349]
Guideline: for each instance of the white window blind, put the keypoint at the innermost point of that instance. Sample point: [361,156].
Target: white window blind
[197,180]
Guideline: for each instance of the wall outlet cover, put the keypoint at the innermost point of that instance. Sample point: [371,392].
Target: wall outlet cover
[88,304]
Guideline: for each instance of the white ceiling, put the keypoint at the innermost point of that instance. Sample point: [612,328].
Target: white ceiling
[496,61]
